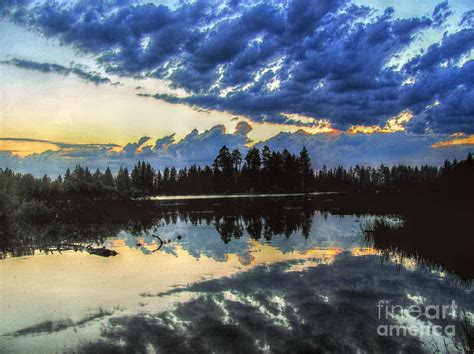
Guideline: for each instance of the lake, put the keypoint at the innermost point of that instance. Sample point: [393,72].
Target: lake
[273,274]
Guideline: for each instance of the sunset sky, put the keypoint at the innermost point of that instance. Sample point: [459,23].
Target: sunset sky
[109,82]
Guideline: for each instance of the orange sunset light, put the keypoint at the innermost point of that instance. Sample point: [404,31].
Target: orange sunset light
[468,140]
[394,124]
[24,148]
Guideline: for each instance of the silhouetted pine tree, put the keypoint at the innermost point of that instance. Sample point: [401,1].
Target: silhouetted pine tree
[123,182]
[108,179]
[306,173]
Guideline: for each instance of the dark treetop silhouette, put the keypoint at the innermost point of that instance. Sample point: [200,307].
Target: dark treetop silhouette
[263,171]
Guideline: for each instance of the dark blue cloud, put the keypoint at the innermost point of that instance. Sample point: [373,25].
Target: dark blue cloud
[467,19]
[327,58]
[13,8]
[162,143]
[441,12]
[451,49]
[453,88]
[88,76]
[48,327]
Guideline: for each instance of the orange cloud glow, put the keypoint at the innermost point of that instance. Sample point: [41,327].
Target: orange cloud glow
[315,126]
[468,140]
[24,148]
[394,124]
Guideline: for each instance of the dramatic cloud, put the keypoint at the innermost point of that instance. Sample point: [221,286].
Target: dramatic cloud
[441,12]
[88,76]
[131,149]
[468,19]
[327,59]
[449,50]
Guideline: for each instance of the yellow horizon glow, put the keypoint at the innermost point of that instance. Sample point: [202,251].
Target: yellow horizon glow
[65,109]
[22,148]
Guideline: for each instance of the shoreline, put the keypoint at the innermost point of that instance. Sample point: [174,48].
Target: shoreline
[230,196]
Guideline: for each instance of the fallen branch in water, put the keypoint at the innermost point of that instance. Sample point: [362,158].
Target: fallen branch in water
[98,251]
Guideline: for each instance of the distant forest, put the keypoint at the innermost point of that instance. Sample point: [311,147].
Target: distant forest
[264,171]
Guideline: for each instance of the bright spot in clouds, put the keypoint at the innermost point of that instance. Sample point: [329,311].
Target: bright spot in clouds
[394,124]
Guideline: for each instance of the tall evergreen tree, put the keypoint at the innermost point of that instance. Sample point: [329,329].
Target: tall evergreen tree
[305,170]
[223,161]
[123,182]
[236,160]
[136,176]
[108,178]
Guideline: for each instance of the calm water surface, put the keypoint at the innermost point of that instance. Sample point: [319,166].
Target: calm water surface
[246,278]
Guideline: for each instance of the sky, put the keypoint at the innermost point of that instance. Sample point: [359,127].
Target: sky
[110,82]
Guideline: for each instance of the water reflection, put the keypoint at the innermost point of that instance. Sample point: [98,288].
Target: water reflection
[329,308]
[272,275]
[289,224]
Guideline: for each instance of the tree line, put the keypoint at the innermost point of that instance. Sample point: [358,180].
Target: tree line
[264,171]
[257,171]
